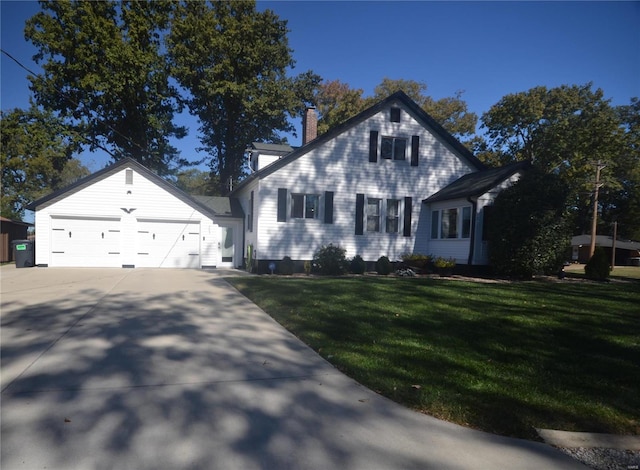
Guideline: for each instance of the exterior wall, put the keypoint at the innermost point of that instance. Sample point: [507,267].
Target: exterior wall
[342,166]
[457,248]
[144,200]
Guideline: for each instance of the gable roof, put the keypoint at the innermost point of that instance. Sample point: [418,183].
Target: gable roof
[222,206]
[476,184]
[131,163]
[398,96]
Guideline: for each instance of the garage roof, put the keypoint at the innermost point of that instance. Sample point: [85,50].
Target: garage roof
[220,207]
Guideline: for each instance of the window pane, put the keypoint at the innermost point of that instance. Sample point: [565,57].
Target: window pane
[373,215]
[400,149]
[449,223]
[311,206]
[392,215]
[434,224]
[386,151]
[297,206]
[466,222]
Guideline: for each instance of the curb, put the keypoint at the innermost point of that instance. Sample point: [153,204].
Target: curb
[587,439]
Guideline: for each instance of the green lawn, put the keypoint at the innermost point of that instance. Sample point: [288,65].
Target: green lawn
[619,272]
[502,357]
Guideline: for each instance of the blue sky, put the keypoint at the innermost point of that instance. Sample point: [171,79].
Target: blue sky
[487,49]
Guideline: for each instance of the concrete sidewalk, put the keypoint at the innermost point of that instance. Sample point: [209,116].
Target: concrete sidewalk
[174,369]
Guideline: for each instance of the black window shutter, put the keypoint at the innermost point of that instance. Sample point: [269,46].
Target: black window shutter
[407,217]
[415,149]
[328,207]
[282,204]
[373,146]
[359,214]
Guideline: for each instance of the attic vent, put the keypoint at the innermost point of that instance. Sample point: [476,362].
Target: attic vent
[395,114]
[128,179]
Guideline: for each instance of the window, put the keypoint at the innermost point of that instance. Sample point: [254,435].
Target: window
[393,215]
[393,148]
[395,115]
[128,177]
[373,214]
[304,206]
[451,223]
[466,222]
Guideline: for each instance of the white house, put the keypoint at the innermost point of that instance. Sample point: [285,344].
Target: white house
[127,216]
[388,181]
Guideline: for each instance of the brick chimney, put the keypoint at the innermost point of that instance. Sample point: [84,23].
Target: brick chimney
[309,125]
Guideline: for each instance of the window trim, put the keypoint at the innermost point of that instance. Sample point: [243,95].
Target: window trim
[374,217]
[304,208]
[390,218]
[462,228]
[394,140]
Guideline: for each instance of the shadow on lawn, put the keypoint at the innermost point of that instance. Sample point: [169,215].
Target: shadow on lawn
[503,358]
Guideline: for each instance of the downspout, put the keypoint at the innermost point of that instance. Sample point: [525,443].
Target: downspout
[472,235]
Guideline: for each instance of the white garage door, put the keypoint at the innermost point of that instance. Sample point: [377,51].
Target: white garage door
[168,244]
[85,242]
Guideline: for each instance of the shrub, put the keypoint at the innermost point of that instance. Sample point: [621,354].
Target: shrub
[444,263]
[597,267]
[528,227]
[417,260]
[307,267]
[286,266]
[330,260]
[383,266]
[358,265]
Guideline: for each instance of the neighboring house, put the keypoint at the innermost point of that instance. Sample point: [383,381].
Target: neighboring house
[127,216]
[627,251]
[11,230]
[386,182]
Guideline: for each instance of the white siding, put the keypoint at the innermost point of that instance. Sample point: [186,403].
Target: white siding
[342,166]
[111,197]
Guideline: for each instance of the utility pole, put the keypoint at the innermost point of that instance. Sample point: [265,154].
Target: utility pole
[592,249]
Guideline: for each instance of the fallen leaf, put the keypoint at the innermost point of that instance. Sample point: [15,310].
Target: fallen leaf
[67,420]
[363,400]
[417,387]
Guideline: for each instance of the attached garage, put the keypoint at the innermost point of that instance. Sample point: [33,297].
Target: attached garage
[168,244]
[86,241]
[127,216]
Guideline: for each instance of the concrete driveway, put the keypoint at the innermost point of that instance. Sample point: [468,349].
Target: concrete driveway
[174,369]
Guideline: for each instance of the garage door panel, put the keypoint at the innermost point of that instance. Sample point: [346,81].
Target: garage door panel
[85,242]
[168,244]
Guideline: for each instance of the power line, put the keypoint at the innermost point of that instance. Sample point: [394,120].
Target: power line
[90,111]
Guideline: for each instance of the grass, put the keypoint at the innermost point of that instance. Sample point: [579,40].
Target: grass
[619,272]
[501,357]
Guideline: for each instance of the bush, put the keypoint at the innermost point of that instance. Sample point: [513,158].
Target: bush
[286,266]
[330,260]
[307,267]
[597,267]
[444,263]
[358,265]
[417,260]
[383,266]
[528,227]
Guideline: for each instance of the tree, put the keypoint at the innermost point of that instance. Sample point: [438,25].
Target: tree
[337,103]
[197,182]
[104,74]
[527,228]
[451,112]
[233,60]
[36,158]
[568,131]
